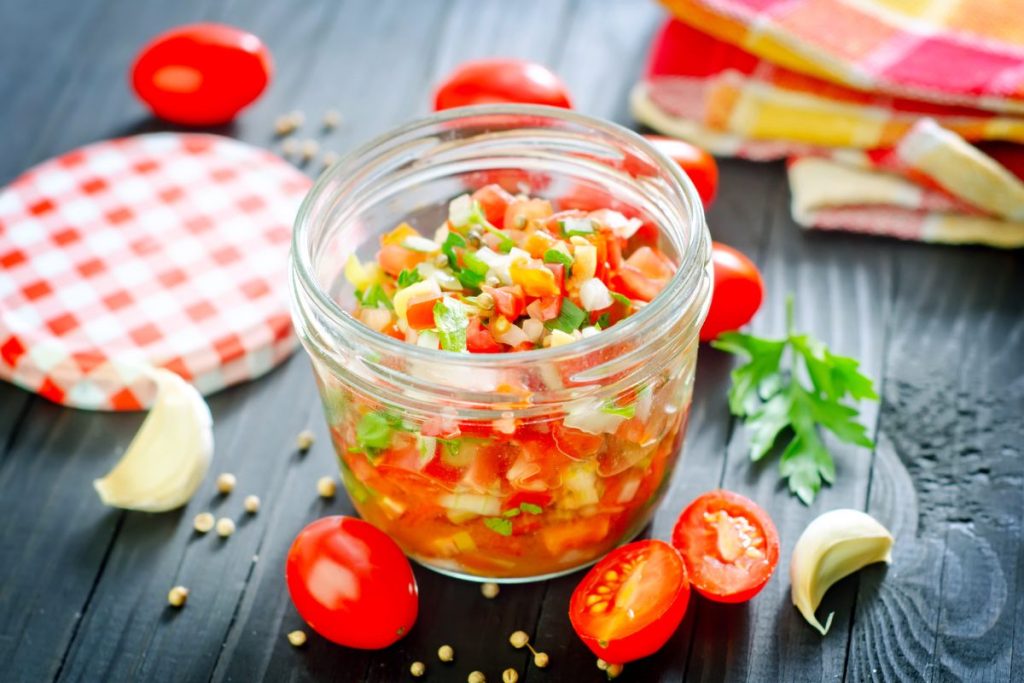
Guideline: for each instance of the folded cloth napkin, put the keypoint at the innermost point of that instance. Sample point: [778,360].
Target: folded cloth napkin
[948,51]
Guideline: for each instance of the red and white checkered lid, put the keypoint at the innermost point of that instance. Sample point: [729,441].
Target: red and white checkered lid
[165,250]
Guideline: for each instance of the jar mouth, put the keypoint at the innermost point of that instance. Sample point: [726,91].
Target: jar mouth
[694,249]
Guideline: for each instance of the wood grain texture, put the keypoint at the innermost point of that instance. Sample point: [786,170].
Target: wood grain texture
[83,588]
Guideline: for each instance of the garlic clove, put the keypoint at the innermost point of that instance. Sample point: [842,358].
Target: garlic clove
[833,546]
[169,455]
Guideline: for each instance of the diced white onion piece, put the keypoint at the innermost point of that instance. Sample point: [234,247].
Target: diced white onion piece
[472,502]
[589,331]
[375,318]
[594,295]
[421,244]
[491,258]
[443,278]
[428,339]
[588,417]
[533,329]
[559,338]
[513,336]
[628,490]
[460,210]
[619,225]
[580,486]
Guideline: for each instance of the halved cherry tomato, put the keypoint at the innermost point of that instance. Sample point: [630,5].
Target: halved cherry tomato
[631,602]
[351,583]
[201,74]
[498,81]
[493,200]
[729,544]
[695,162]
[420,311]
[479,339]
[737,295]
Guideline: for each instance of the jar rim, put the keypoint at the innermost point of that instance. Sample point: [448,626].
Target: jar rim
[694,254]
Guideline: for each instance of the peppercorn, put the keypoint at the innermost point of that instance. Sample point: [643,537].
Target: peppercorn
[326,487]
[297,638]
[177,596]
[225,527]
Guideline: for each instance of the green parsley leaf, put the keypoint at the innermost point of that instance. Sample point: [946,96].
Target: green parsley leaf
[452,322]
[604,321]
[499,525]
[627,412]
[622,299]
[556,256]
[569,318]
[531,508]
[375,297]
[408,277]
[474,263]
[453,240]
[514,512]
[787,391]
[576,226]
[505,243]
[373,433]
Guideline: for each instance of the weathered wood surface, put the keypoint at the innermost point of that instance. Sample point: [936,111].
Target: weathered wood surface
[82,588]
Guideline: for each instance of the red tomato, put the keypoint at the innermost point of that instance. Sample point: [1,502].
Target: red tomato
[694,161]
[493,200]
[394,259]
[479,338]
[420,312]
[631,602]
[644,274]
[498,81]
[351,583]
[737,295]
[508,301]
[558,270]
[729,544]
[201,74]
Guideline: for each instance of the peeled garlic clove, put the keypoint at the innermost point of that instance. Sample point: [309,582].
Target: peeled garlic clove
[833,546]
[169,455]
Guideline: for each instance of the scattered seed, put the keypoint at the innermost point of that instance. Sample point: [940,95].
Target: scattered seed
[418,669]
[476,677]
[203,522]
[326,487]
[489,590]
[290,147]
[225,527]
[445,653]
[519,640]
[440,260]
[540,659]
[602,665]
[330,158]
[310,148]
[177,596]
[226,482]
[509,676]
[284,124]
[332,119]
[297,638]
[304,441]
[251,504]
[614,670]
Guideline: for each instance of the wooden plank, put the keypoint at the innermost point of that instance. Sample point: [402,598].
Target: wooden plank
[949,480]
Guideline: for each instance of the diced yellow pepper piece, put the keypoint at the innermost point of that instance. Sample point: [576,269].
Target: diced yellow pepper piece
[537,243]
[535,280]
[362,275]
[398,235]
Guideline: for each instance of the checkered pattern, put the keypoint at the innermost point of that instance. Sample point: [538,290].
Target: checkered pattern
[157,250]
[949,51]
[698,77]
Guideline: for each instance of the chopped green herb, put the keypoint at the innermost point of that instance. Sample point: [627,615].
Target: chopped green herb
[374,297]
[604,321]
[408,277]
[468,279]
[452,322]
[569,318]
[474,263]
[531,508]
[505,242]
[373,434]
[499,525]
[453,240]
[624,411]
[514,512]
[576,226]
[775,401]
[556,256]
[622,299]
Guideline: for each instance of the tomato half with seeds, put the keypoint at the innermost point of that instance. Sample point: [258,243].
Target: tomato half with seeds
[501,81]
[737,294]
[201,74]
[729,544]
[351,583]
[695,162]
[631,602]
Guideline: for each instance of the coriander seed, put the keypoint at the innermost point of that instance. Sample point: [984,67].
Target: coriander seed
[310,147]
[177,596]
[489,590]
[445,653]
[614,670]
[251,504]
[225,527]
[226,483]
[601,664]
[418,669]
[203,522]
[326,487]
[519,639]
[304,441]
[509,676]
[330,158]
[541,659]
[332,119]
[290,147]
[297,638]
[476,677]
[284,124]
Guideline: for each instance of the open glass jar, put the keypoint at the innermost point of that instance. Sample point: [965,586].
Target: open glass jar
[512,466]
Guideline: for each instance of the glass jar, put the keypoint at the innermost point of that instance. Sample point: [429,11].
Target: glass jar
[513,466]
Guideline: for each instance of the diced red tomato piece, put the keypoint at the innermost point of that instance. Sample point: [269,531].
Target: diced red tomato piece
[508,301]
[539,498]
[394,259]
[574,443]
[479,339]
[558,270]
[494,200]
[420,312]
[550,307]
[643,275]
[521,211]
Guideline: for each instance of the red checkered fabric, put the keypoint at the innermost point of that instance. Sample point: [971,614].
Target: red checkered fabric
[163,250]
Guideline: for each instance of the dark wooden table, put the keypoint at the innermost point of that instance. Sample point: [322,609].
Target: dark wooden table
[83,587]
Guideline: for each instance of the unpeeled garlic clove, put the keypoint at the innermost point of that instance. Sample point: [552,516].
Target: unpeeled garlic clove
[169,455]
[833,546]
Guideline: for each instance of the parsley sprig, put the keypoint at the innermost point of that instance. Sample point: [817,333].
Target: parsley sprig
[503,525]
[787,398]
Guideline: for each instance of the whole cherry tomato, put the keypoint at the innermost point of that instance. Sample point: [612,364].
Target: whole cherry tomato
[694,161]
[351,583]
[501,81]
[729,544]
[631,602]
[201,74]
[738,292]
